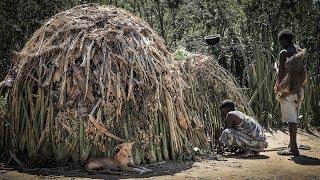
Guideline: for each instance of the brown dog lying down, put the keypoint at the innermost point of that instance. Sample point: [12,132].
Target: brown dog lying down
[118,162]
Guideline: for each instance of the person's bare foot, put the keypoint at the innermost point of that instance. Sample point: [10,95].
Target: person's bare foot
[295,152]
[248,153]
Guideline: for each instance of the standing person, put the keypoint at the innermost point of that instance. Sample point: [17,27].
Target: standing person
[242,133]
[291,78]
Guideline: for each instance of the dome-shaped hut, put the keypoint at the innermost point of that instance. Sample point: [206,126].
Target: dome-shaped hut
[92,77]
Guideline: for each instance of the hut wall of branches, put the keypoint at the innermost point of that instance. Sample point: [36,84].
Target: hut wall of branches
[95,76]
[92,77]
[208,84]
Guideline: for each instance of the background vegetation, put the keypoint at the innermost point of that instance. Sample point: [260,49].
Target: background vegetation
[248,30]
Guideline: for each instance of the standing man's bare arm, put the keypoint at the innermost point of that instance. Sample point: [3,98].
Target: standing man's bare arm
[282,59]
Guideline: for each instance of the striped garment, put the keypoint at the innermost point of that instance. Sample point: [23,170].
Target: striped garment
[248,135]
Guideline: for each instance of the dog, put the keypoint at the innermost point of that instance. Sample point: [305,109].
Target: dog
[121,161]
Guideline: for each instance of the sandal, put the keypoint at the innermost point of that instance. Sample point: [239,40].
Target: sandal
[304,147]
[288,152]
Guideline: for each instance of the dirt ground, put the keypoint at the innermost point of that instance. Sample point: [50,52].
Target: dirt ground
[268,165]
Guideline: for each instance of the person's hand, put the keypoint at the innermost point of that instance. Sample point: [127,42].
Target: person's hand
[276,87]
[279,96]
[300,97]
[220,149]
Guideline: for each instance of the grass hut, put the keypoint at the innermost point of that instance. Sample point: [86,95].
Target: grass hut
[90,78]
[95,76]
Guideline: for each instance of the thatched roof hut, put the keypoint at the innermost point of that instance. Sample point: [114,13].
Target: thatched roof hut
[91,77]
[95,76]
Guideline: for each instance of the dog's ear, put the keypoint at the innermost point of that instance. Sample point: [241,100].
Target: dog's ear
[117,151]
[119,146]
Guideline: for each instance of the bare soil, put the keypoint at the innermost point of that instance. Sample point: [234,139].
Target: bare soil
[268,165]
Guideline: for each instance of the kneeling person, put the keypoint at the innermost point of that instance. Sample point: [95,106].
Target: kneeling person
[241,131]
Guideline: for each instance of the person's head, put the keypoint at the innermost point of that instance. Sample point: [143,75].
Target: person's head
[226,106]
[285,38]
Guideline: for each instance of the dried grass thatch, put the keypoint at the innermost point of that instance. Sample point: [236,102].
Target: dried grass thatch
[94,76]
[208,85]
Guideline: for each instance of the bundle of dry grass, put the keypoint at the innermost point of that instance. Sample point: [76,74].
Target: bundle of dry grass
[92,77]
[208,85]
[3,122]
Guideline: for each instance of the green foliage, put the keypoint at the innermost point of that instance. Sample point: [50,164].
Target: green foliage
[265,20]
[260,76]
[19,19]
[3,103]
[181,54]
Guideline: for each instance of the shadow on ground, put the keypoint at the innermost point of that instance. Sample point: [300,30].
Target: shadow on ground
[158,169]
[306,160]
[259,156]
